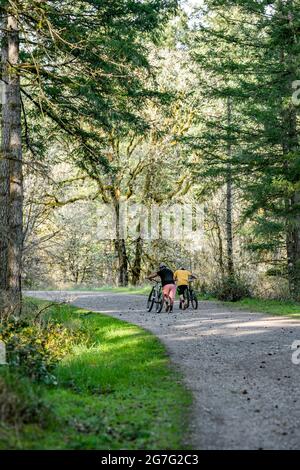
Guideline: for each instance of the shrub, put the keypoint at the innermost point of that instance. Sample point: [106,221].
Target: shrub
[231,288]
[34,349]
[206,291]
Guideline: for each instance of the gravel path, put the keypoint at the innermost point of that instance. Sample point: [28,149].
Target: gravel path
[237,365]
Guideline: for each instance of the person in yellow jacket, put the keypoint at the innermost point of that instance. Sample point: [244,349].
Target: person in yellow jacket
[182,277]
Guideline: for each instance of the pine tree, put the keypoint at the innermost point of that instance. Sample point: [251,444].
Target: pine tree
[12,184]
[255,46]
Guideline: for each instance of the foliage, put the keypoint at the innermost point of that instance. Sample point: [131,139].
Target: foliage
[66,246]
[231,288]
[33,348]
[125,102]
[84,68]
[248,53]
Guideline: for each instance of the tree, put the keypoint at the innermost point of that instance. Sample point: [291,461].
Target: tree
[12,184]
[255,46]
[229,218]
[80,66]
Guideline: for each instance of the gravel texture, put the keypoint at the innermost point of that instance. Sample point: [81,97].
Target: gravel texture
[237,364]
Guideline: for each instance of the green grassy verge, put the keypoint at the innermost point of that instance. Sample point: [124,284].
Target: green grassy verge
[119,393]
[273,307]
[119,290]
[143,290]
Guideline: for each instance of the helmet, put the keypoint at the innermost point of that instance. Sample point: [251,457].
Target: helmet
[162,265]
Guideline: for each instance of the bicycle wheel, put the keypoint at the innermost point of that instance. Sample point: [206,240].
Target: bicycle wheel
[159,302]
[151,298]
[186,296]
[194,301]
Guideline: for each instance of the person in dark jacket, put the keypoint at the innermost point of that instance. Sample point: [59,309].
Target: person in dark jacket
[168,284]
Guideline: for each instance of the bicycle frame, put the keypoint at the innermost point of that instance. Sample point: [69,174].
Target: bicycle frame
[155,297]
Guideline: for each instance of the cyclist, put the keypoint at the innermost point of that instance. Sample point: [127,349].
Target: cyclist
[182,277]
[168,285]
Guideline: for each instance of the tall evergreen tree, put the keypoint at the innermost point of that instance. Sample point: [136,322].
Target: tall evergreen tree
[12,184]
[250,51]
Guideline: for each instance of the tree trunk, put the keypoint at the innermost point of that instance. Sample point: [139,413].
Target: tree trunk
[12,155]
[293,247]
[220,245]
[137,265]
[4,179]
[120,247]
[292,205]
[229,232]
[290,148]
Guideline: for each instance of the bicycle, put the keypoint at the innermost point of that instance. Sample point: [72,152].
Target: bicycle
[190,297]
[155,297]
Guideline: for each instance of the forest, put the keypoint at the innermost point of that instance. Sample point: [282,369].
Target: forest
[156,104]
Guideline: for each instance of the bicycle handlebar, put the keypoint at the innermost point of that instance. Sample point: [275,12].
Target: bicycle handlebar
[154,280]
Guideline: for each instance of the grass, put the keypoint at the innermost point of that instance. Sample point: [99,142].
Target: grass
[274,307]
[143,290]
[270,306]
[118,393]
[119,290]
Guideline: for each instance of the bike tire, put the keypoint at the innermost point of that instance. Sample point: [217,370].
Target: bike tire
[194,302]
[150,301]
[159,303]
[186,297]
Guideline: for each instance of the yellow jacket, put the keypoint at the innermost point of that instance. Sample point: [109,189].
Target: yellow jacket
[181,276]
